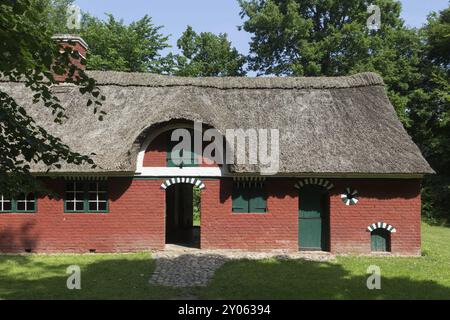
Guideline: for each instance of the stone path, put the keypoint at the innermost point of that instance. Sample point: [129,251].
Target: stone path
[187,267]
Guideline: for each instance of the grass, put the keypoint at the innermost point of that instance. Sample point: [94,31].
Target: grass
[125,276]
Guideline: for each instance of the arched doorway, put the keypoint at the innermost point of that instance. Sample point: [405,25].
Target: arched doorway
[182,211]
[313,218]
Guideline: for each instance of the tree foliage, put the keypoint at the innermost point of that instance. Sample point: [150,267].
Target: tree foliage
[31,56]
[207,54]
[429,111]
[331,38]
[115,46]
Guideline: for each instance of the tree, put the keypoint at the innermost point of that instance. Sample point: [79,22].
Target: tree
[56,13]
[437,32]
[30,55]
[429,111]
[116,46]
[207,54]
[331,38]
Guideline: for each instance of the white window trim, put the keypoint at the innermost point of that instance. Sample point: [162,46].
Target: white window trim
[97,201]
[4,200]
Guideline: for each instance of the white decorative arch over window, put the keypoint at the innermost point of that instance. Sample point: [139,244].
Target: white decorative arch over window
[350,197]
[314,181]
[381,225]
[173,171]
[196,182]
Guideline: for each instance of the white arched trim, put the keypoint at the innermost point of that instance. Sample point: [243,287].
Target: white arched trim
[314,181]
[218,171]
[196,182]
[381,225]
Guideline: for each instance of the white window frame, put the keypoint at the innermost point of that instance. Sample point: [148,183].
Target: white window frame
[4,200]
[97,199]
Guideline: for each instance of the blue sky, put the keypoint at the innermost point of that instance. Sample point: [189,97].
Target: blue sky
[216,15]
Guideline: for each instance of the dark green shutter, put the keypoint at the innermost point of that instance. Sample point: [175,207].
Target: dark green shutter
[257,200]
[249,199]
[240,199]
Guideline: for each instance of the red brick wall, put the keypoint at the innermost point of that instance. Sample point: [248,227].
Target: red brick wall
[135,222]
[156,153]
[396,202]
[276,229]
[136,219]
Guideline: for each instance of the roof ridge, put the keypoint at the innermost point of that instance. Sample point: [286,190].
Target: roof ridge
[130,79]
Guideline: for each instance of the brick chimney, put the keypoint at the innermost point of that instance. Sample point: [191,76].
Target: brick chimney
[77,44]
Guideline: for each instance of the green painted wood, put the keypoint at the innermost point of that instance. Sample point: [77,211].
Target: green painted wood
[257,200]
[249,199]
[379,240]
[310,218]
[240,200]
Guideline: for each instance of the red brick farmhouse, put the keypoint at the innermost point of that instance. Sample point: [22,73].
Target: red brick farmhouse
[348,179]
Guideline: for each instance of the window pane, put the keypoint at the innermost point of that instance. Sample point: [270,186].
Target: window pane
[102,206]
[92,196]
[93,206]
[102,196]
[70,206]
[21,197]
[79,206]
[92,186]
[7,205]
[70,196]
[20,206]
[70,186]
[31,205]
[79,186]
[30,197]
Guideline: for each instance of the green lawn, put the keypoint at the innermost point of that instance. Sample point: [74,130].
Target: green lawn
[125,276]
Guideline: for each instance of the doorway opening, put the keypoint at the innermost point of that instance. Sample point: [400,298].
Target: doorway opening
[183,218]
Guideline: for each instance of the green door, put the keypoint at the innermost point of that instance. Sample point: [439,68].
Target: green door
[310,231]
[379,240]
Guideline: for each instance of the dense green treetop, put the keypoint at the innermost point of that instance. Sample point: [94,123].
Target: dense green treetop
[207,54]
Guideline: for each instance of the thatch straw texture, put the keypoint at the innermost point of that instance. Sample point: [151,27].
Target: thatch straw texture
[327,125]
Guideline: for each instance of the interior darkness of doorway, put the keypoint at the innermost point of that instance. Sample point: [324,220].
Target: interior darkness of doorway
[182,200]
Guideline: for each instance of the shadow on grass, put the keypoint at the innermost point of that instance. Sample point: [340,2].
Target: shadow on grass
[127,277]
[102,277]
[311,280]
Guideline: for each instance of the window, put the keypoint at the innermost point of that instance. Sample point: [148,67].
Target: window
[75,196]
[380,240]
[175,159]
[5,204]
[26,203]
[98,200]
[22,203]
[86,197]
[249,199]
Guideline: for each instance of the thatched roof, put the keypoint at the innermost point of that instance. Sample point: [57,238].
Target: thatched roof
[327,125]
